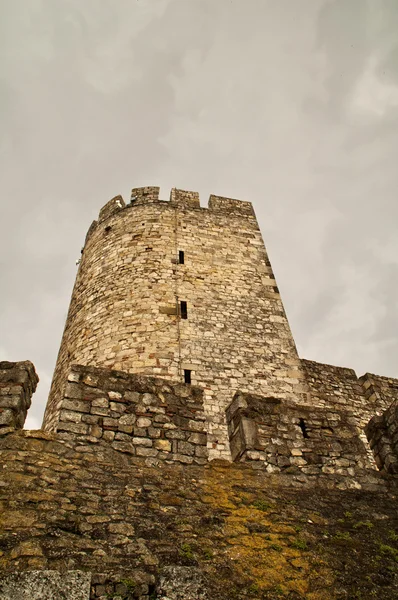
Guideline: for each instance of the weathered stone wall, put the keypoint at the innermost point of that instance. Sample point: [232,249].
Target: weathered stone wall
[125,314]
[382,432]
[219,531]
[339,387]
[334,387]
[380,392]
[18,381]
[283,437]
[142,416]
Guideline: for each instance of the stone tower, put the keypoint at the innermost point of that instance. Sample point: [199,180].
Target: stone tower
[173,290]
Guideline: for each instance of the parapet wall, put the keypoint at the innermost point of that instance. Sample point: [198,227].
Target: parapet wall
[183,199]
[140,416]
[339,387]
[379,392]
[335,387]
[18,381]
[284,437]
[382,432]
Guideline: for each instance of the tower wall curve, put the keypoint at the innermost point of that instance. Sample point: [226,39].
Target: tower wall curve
[213,312]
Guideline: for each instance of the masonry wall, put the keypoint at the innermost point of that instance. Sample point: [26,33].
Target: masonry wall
[140,416]
[282,437]
[136,531]
[18,381]
[124,312]
[379,392]
[382,432]
[340,388]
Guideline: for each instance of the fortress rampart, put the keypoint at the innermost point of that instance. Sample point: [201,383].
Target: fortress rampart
[176,353]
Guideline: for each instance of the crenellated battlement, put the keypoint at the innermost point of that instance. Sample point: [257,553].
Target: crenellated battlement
[117,203]
[145,195]
[184,199]
[178,198]
[230,205]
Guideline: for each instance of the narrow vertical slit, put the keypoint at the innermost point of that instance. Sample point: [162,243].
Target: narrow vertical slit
[303,428]
[187,376]
[183,310]
[181,257]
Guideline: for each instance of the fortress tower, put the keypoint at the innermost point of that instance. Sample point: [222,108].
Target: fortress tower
[173,290]
[177,350]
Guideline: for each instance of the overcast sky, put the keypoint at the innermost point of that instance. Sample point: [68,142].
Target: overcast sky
[291,104]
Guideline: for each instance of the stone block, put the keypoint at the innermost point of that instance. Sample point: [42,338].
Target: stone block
[141,451]
[142,441]
[144,422]
[129,419]
[101,402]
[40,585]
[182,582]
[76,405]
[186,448]
[163,445]
[198,438]
[69,415]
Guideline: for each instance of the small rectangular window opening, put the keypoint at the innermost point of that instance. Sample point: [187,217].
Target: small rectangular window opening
[187,376]
[183,310]
[181,258]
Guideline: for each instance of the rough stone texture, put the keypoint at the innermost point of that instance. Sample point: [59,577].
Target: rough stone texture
[382,433]
[111,207]
[124,311]
[182,583]
[334,387]
[283,437]
[145,195]
[339,387]
[379,393]
[18,381]
[183,198]
[251,534]
[45,585]
[141,416]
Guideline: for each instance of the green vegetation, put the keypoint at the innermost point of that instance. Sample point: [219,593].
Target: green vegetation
[392,536]
[363,525]
[299,544]
[389,551]
[129,584]
[186,551]
[261,505]
[343,535]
